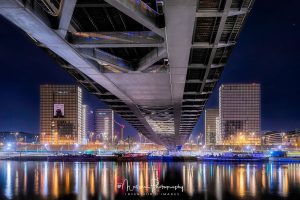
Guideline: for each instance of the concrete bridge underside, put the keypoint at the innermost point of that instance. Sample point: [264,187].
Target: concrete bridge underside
[155,62]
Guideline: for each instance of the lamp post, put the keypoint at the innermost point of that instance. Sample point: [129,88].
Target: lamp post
[128,143]
[36,138]
[282,137]
[115,141]
[91,135]
[198,137]
[16,136]
[201,136]
[140,135]
[263,138]
[191,145]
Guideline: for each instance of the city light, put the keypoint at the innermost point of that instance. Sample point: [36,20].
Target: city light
[150,110]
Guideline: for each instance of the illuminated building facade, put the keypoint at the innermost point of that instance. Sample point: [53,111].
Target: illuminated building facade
[292,138]
[88,123]
[84,122]
[273,138]
[211,126]
[243,139]
[61,114]
[104,124]
[19,136]
[239,112]
[218,130]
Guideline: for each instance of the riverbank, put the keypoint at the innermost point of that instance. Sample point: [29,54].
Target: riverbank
[88,158]
[145,158]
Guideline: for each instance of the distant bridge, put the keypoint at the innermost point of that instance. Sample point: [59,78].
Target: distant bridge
[155,62]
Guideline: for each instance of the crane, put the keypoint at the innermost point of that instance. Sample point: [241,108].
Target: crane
[122,130]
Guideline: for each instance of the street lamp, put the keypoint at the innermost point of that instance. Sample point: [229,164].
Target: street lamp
[76,147]
[282,136]
[140,137]
[16,135]
[115,141]
[263,141]
[201,137]
[45,146]
[198,139]
[91,135]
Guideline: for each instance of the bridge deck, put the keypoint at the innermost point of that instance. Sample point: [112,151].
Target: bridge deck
[155,62]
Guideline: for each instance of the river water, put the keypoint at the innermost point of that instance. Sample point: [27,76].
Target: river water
[148,180]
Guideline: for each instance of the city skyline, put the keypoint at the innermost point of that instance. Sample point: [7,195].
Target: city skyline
[279,106]
[149,99]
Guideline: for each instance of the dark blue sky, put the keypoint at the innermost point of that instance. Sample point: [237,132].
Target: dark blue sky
[267,52]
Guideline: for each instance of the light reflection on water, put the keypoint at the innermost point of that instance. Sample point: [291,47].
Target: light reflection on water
[58,180]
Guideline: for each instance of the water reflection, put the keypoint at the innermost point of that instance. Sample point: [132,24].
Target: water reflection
[103,180]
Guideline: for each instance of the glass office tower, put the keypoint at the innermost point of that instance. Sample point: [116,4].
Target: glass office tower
[211,116]
[239,106]
[61,114]
[104,125]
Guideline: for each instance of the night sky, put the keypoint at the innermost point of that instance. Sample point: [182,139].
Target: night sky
[267,52]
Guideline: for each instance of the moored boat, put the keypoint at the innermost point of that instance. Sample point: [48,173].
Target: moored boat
[133,157]
[80,158]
